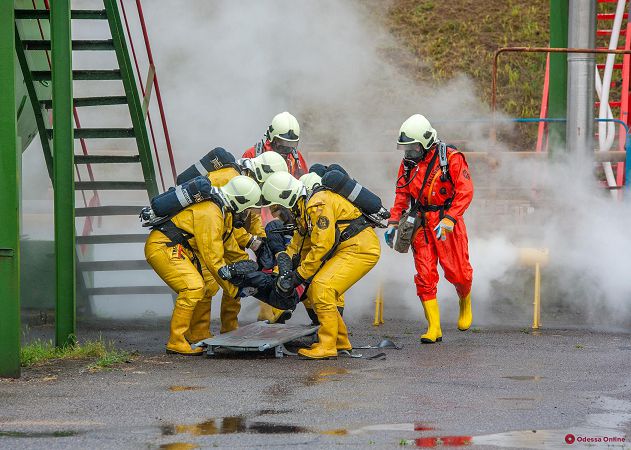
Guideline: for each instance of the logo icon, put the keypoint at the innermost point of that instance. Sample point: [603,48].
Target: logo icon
[570,438]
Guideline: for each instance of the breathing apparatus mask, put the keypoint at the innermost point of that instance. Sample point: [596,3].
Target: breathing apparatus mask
[284,147]
[413,153]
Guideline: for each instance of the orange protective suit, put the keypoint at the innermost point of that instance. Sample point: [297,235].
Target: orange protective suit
[456,194]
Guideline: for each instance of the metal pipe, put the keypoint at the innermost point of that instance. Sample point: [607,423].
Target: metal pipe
[580,77]
[10,157]
[63,173]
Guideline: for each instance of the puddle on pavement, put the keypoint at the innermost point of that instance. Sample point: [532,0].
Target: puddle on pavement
[525,377]
[326,374]
[446,441]
[232,425]
[38,434]
[409,426]
[185,388]
[179,446]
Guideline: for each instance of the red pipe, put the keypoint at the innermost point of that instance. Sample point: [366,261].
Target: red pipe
[142,89]
[158,96]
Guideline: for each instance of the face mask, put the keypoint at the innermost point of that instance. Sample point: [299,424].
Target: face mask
[414,155]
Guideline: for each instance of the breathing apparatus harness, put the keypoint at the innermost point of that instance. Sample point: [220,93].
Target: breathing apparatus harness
[418,209]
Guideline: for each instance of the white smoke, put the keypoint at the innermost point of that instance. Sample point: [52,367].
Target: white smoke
[227,66]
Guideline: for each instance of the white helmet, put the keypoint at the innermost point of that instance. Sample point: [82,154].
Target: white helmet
[281,188]
[311,181]
[241,193]
[264,165]
[284,133]
[417,129]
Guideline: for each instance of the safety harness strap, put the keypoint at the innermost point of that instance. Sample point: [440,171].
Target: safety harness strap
[179,237]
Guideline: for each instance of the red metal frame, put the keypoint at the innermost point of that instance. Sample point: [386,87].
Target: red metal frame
[142,89]
[543,129]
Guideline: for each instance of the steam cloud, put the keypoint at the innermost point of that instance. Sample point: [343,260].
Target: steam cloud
[227,66]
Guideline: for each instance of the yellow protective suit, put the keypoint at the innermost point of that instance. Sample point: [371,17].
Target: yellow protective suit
[351,260]
[213,245]
[231,306]
[301,244]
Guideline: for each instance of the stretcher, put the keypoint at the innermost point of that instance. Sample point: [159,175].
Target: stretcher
[258,337]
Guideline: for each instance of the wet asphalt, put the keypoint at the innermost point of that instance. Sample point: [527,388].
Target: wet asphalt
[489,387]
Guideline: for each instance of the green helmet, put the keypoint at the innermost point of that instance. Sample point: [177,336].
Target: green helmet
[264,165]
[417,129]
[311,181]
[281,188]
[284,128]
[241,193]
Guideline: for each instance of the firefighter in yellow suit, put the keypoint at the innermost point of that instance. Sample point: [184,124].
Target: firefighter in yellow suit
[330,268]
[300,244]
[248,236]
[211,245]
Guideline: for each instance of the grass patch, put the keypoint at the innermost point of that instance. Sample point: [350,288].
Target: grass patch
[104,354]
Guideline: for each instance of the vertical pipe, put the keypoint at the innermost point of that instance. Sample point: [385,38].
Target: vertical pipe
[63,165]
[10,200]
[557,99]
[536,316]
[580,74]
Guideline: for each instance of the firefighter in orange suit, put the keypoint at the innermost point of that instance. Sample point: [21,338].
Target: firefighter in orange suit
[328,268]
[193,245]
[441,189]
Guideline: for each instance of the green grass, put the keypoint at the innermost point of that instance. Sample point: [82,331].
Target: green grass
[455,37]
[103,354]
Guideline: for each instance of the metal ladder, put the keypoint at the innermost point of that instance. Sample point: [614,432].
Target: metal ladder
[137,131]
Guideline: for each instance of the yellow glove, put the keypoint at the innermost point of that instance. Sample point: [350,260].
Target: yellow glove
[446,225]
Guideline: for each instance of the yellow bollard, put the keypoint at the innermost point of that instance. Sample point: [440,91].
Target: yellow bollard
[537,257]
[378,307]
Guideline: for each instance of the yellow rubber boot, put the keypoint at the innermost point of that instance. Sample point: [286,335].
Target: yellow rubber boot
[432,314]
[465,318]
[200,323]
[327,338]
[266,312]
[230,308]
[180,322]
[342,335]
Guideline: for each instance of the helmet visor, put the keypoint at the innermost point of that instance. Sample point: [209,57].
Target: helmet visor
[283,146]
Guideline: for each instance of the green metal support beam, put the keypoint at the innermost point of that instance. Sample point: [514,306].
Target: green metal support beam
[10,158]
[63,170]
[557,98]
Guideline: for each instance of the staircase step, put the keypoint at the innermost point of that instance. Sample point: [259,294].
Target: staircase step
[111,239]
[81,75]
[100,133]
[106,266]
[94,14]
[91,101]
[110,186]
[122,210]
[89,44]
[123,290]
[106,159]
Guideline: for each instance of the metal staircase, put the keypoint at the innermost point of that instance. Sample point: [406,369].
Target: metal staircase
[120,174]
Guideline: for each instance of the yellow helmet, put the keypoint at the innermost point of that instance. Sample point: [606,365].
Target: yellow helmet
[284,133]
[281,188]
[417,129]
[241,193]
[264,165]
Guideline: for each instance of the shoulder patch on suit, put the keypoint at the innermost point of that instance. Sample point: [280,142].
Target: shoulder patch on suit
[323,223]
